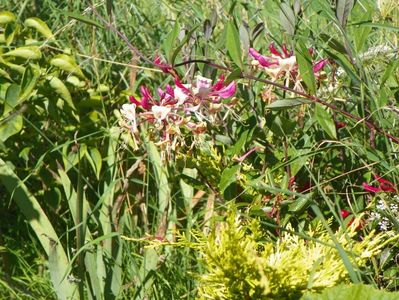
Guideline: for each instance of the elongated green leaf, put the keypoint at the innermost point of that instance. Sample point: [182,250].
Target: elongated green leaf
[12,125]
[29,80]
[325,120]
[378,25]
[11,99]
[392,67]
[287,18]
[239,146]
[170,41]
[184,41]
[233,44]
[306,67]
[161,177]
[27,52]
[67,63]
[343,9]
[94,157]
[37,219]
[11,32]
[60,88]
[6,17]
[82,18]
[40,26]
[286,103]
[229,175]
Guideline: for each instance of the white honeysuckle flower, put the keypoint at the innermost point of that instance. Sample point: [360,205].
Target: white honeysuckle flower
[287,64]
[160,112]
[128,111]
[180,95]
[203,86]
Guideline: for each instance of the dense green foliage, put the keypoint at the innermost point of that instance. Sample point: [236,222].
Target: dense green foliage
[278,180]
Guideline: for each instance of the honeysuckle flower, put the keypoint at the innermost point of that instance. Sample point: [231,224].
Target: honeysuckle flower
[280,63]
[164,67]
[160,112]
[384,186]
[203,89]
[185,106]
[129,113]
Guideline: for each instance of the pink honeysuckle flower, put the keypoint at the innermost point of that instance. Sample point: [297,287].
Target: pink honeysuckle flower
[146,101]
[164,67]
[280,63]
[183,106]
[203,89]
[384,186]
[319,65]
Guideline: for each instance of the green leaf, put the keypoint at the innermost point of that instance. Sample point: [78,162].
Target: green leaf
[286,103]
[352,292]
[233,44]
[10,126]
[378,25]
[29,80]
[82,18]
[60,88]
[27,52]
[184,41]
[11,99]
[391,68]
[11,31]
[333,43]
[229,175]
[170,40]
[95,161]
[6,17]
[42,227]
[67,63]
[342,10]
[236,74]
[161,177]
[325,120]
[287,18]
[40,26]
[239,145]
[306,67]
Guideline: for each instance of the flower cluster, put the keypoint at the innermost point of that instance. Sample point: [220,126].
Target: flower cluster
[187,106]
[282,64]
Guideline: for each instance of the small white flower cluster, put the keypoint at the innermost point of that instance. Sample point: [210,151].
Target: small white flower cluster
[383,208]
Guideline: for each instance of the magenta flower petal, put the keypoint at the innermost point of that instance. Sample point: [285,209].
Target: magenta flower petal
[219,84]
[264,61]
[227,91]
[370,188]
[385,185]
[318,66]
[146,97]
[164,67]
[134,100]
[255,54]
[170,91]
[182,87]
[274,50]
[286,52]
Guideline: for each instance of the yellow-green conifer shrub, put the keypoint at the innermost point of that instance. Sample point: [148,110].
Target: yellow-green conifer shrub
[240,263]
